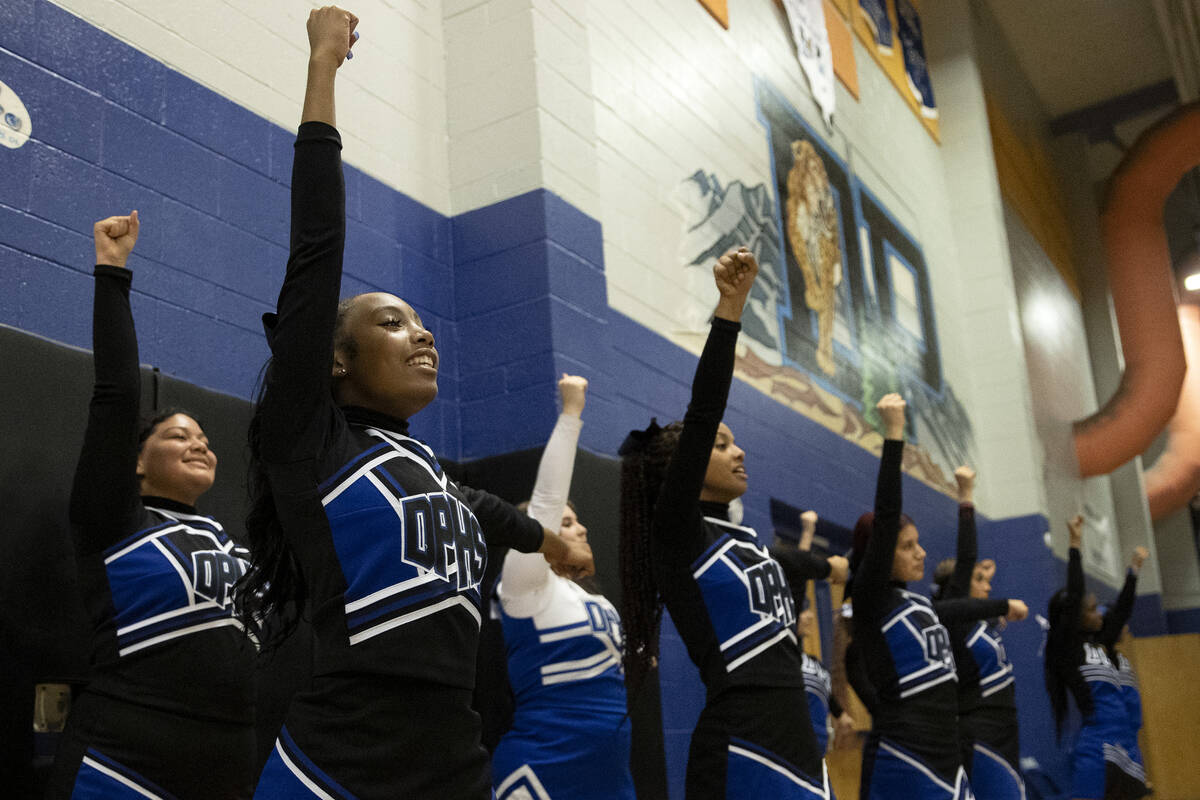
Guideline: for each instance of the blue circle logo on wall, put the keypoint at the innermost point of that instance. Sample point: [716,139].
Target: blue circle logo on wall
[15,124]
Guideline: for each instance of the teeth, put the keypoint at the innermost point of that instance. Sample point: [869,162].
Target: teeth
[421,361]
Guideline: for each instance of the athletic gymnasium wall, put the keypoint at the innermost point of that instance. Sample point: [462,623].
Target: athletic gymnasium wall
[547,182]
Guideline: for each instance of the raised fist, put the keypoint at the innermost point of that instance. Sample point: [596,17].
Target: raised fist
[1140,554]
[1017,611]
[734,275]
[839,569]
[964,476]
[573,391]
[115,238]
[891,411]
[1075,528]
[331,33]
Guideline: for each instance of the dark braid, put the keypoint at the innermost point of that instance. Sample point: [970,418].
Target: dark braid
[641,480]
[1064,655]
[272,593]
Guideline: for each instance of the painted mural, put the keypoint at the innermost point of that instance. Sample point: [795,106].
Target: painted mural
[842,312]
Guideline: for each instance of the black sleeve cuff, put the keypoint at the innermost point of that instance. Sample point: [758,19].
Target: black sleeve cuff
[109,271]
[318,132]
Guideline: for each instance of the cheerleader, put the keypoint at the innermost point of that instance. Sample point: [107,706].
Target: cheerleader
[168,710]
[729,596]
[1078,664]
[570,734]
[987,708]
[903,649]
[353,519]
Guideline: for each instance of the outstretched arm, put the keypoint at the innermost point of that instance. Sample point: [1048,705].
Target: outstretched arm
[677,506]
[875,572]
[968,547]
[300,334]
[1122,609]
[1075,581]
[105,493]
[527,576]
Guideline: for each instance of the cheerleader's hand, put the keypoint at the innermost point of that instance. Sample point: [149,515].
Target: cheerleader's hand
[1075,529]
[734,275]
[573,391]
[571,559]
[891,408]
[839,569]
[964,476]
[808,527]
[843,731]
[1017,611]
[1140,554]
[115,238]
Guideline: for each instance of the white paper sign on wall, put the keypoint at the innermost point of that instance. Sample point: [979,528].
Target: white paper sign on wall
[807,19]
[15,124]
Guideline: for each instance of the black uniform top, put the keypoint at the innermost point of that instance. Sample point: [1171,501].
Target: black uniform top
[729,596]
[392,551]
[904,648]
[972,634]
[156,576]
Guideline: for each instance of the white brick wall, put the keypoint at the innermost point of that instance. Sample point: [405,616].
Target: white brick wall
[392,107]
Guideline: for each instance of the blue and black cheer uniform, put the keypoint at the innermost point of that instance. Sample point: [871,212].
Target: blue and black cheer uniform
[730,599]
[391,550]
[1133,705]
[818,685]
[912,751]
[168,711]
[571,734]
[987,708]
[1102,765]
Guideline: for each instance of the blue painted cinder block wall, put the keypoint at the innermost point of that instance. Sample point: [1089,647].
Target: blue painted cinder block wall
[515,294]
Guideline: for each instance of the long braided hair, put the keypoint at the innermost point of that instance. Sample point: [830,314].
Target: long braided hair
[644,459]
[1063,656]
[272,593]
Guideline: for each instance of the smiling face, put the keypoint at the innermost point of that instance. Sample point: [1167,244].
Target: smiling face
[175,461]
[384,358]
[725,479]
[908,563]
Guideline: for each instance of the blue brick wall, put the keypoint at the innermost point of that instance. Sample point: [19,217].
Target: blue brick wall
[114,130]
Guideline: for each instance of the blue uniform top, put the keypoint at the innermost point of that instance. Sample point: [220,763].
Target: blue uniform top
[991,660]
[819,687]
[568,655]
[1130,692]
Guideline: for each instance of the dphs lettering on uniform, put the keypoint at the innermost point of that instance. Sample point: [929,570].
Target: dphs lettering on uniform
[442,535]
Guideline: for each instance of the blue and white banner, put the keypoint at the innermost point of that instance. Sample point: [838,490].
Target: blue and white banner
[807,18]
[912,44]
[875,13]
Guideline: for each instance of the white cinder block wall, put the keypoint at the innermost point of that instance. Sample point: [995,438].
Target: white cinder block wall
[391,109]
